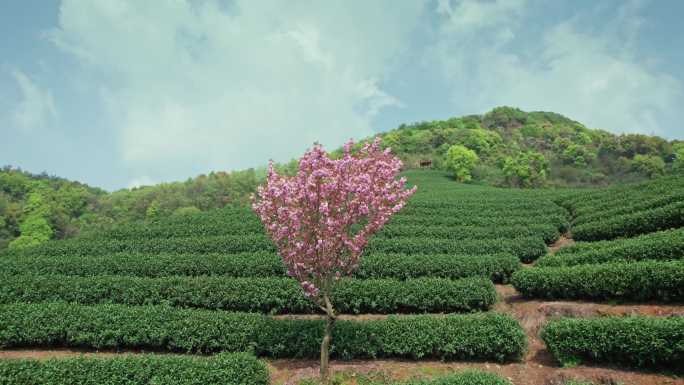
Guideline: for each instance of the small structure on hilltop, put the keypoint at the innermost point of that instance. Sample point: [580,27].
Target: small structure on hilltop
[425,163]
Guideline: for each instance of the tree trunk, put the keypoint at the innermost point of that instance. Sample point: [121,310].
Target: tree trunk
[327,339]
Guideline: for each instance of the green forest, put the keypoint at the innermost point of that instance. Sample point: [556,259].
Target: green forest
[504,147]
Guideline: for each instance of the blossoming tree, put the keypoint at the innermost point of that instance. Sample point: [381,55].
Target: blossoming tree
[322,218]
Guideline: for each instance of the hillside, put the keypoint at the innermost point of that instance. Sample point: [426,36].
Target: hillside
[533,149]
[464,277]
[504,147]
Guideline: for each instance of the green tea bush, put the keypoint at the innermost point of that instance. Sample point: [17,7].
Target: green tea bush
[628,206]
[547,232]
[527,249]
[497,267]
[259,264]
[663,246]
[483,209]
[631,224]
[473,219]
[646,342]
[634,196]
[138,369]
[267,295]
[196,245]
[468,377]
[481,336]
[635,281]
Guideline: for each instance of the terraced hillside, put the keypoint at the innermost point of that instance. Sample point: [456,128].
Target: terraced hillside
[434,284]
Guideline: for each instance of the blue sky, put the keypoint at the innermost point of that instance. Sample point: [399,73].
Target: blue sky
[123,93]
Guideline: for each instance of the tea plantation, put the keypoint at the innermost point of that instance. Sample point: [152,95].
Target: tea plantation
[212,285]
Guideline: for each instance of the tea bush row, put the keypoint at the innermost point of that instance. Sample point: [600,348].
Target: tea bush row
[482,336]
[139,369]
[483,210]
[645,342]
[437,219]
[527,249]
[635,281]
[497,267]
[585,202]
[273,295]
[196,245]
[142,231]
[547,232]
[632,224]
[662,245]
[627,207]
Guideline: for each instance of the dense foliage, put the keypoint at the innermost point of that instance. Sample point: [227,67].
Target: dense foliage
[498,267]
[647,342]
[461,161]
[484,336]
[632,281]
[139,369]
[267,295]
[37,208]
[663,246]
[527,249]
[528,149]
[627,210]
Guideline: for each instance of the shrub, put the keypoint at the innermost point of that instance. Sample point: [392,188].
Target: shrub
[142,369]
[482,336]
[461,160]
[629,225]
[548,232]
[628,206]
[468,377]
[662,246]
[527,249]
[646,342]
[498,267]
[636,281]
[195,245]
[267,295]
[482,219]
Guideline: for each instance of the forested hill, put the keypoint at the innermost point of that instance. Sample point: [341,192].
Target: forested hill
[35,208]
[504,147]
[510,147]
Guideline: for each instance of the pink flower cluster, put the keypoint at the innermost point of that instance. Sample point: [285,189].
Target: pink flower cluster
[322,218]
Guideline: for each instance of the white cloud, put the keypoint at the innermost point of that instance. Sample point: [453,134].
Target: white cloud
[469,15]
[36,108]
[593,76]
[194,83]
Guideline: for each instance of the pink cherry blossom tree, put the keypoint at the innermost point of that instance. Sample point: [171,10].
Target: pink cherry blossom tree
[321,218]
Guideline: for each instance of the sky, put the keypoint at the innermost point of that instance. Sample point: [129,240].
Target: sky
[122,93]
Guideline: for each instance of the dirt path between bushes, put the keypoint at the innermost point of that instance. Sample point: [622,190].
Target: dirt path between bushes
[563,241]
[537,368]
